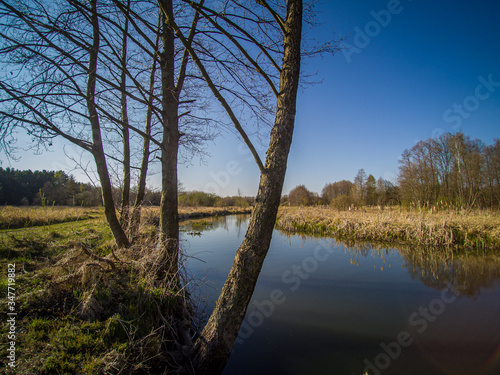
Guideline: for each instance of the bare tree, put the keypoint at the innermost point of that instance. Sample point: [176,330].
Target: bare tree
[87,72]
[452,168]
[336,189]
[124,212]
[300,196]
[360,186]
[215,343]
[51,86]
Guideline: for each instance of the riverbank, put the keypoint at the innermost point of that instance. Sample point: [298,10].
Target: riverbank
[186,213]
[85,307]
[151,215]
[472,230]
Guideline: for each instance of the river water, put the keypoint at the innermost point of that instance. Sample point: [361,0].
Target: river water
[322,307]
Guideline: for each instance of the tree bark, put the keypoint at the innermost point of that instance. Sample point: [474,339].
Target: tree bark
[169,217]
[97,146]
[124,211]
[214,346]
[141,186]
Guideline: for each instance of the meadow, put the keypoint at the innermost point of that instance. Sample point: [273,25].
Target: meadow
[12,217]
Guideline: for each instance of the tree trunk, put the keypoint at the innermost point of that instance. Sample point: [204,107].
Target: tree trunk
[124,212]
[214,346]
[169,217]
[97,146]
[141,186]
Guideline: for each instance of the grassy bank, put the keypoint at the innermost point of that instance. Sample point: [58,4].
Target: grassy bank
[474,230]
[85,307]
[25,217]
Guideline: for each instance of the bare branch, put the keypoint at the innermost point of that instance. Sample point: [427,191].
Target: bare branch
[170,22]
[275,15]
[264,49]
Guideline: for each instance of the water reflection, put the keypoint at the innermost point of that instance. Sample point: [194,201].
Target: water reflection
[436,268]
[236,223]
[439,268]
[353,300]
[468,274]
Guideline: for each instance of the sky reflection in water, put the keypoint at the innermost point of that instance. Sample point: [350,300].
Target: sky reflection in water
[321,307]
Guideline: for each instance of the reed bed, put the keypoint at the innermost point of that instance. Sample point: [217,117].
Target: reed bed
[469,229]
[24,217]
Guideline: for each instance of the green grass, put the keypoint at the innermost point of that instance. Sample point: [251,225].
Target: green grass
[76,314]
[38,247]
[26,217]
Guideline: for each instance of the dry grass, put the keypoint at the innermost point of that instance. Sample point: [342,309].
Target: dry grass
[194,212]
[24,217]
[476,229]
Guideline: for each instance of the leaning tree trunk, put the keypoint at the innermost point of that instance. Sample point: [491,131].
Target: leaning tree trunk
[97,146]
[214,346]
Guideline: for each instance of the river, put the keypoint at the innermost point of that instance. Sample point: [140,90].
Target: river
[322,307]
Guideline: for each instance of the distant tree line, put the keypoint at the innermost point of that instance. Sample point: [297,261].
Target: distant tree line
[55,188]
[365,190]
[451,170]
[45,188]
[23,188]
[202,199]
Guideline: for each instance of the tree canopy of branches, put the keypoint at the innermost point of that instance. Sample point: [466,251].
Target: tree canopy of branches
[301,196]
[336,189]
[272,34]
[100,74]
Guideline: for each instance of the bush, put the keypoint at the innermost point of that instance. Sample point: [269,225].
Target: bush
[342,202]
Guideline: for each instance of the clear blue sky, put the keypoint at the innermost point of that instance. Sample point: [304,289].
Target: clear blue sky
[432,67]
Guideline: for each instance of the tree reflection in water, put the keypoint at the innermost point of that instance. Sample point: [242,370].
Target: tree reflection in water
[464,272]
[227,223]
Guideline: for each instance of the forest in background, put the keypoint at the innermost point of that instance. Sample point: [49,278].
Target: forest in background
[38,188]
[57,188]
[451,170]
